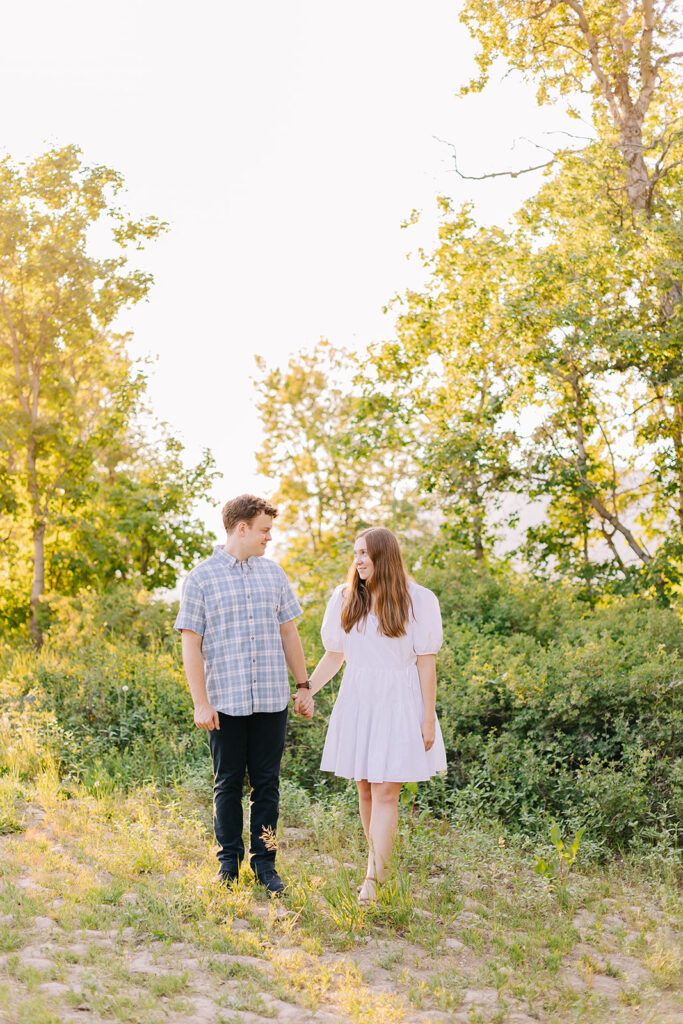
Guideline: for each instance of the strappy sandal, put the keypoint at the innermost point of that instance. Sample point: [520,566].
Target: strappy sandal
[369,899]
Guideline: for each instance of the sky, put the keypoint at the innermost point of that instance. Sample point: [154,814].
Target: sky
[285,143]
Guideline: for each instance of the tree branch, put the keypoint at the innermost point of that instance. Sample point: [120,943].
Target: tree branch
[492,174]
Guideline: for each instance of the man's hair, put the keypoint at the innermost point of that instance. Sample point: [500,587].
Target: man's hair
[243,509]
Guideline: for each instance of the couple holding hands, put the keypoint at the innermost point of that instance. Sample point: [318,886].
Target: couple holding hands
[237,621]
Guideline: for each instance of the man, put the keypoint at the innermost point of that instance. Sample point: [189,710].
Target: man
[239,637]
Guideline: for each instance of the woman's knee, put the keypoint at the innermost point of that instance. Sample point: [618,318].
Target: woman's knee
[386,792]
[364,789]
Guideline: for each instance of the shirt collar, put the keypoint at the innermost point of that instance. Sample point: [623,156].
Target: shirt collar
[220,551]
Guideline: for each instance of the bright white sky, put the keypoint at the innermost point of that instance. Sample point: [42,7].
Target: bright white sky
[285,143]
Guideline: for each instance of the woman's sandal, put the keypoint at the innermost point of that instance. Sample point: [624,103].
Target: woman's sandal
[367,894]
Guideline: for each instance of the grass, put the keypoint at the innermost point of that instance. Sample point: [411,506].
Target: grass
[107,903]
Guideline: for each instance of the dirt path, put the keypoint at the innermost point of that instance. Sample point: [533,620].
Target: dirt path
[108,913]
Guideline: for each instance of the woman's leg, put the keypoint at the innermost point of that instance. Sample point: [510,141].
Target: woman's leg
[365,805]
[383,826]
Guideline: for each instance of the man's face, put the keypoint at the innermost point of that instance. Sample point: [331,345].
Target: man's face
[257,534]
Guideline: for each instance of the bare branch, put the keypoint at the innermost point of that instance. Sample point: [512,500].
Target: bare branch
[493,174]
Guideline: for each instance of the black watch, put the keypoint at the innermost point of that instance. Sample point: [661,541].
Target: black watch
[304,686]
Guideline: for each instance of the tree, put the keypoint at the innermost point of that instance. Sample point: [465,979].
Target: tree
[333,477]
[621,53]
[448,381]
[571,322]
[136,521]
[70,393]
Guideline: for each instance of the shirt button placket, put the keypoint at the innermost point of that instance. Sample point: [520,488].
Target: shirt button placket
[252,637]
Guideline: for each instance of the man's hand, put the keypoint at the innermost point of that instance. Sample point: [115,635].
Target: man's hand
[304,704]
[428,732]
[206,717]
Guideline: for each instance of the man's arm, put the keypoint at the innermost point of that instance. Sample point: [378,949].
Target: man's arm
[296,663]
[205,716]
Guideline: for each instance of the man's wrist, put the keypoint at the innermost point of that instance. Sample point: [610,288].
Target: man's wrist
[304,686]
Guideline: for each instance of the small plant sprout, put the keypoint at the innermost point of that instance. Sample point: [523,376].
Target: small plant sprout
[566,853]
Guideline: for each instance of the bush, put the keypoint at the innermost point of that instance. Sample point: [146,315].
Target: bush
[550,709]
[553,710]
[105,701]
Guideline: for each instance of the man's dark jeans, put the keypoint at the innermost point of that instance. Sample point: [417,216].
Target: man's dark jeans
[255,743]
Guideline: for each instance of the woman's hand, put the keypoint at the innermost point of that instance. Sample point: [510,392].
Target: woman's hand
[428,729]
[303,703]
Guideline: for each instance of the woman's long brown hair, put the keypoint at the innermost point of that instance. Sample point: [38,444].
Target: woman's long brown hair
[386,590]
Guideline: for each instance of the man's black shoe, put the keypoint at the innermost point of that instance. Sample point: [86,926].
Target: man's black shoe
[226,876]
[271,881]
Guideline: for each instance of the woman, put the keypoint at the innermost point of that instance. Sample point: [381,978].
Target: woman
[383,729]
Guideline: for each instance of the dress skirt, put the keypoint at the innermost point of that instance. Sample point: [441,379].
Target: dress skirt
[375,726]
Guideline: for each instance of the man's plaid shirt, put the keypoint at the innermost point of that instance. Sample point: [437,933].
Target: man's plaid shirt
[238,607]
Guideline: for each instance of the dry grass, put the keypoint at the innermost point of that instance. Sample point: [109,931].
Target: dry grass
[109,912]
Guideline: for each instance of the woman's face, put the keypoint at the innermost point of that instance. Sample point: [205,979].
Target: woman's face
[364,566]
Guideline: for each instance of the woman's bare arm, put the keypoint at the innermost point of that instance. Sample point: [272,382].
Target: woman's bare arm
[426,669]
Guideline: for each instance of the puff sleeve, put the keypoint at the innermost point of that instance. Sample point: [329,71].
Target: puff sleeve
[427,629]
[331,630]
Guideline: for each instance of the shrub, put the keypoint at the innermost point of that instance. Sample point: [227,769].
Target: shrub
[550,709]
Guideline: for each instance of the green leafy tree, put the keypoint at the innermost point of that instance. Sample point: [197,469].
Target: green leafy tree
[69,391]
[333,477]
[136,522]
[447,381]
[546,358]
[623,54]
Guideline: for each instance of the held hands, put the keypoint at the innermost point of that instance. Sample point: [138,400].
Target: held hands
[428,728]
[206,717]
[303,703]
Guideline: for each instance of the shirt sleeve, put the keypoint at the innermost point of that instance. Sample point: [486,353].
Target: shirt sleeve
[427,628]
[289,606]
[192,611]
[331,630]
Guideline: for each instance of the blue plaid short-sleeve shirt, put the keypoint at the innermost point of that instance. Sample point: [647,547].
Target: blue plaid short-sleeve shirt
[238,608]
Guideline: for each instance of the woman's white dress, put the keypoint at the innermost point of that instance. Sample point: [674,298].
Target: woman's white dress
[374,731]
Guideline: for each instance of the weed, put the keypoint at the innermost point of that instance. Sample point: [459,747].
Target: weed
[630,997]
[164,985]
[248,999]
[10,938]
[611,971]
[565,855]
[11,819]
[389,958]
[344,908]
[35,1011]
[666,963]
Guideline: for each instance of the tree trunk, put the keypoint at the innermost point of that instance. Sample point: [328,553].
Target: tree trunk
[582,469]
[38,532]
[638,184]
[38,581]
[477,533]
[677,440]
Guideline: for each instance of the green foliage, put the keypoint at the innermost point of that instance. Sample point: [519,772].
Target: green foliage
[87,496]
[541,363]
[333,481]
[560,712]
[136,523]
[551,710]
[105,698]
[565,855]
